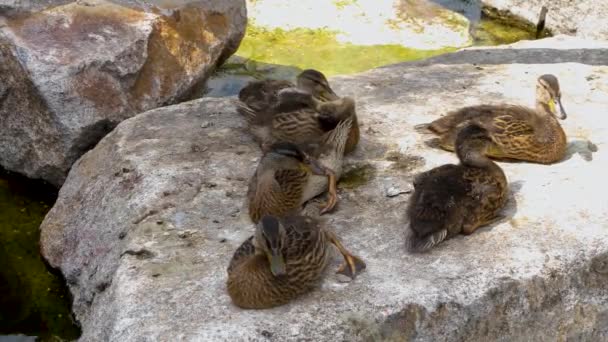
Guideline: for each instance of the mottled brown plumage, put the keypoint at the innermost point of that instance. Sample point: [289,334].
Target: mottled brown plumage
[517,132]
[284,259]
[278,111]
[287,177]
[453,199]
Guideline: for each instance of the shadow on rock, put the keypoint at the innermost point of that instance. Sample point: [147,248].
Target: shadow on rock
[584,148]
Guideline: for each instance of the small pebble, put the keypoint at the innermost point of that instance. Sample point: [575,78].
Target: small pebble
[393,191]
[206,124]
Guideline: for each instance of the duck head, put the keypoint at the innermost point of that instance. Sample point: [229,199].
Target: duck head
[549,95]
[316,83]
[270,236]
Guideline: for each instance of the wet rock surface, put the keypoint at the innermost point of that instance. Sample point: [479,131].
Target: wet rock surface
[70,71]
[582,18]
[147,221]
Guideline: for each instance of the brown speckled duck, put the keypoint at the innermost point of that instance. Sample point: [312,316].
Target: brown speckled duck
[279,111]
[284,259]
[453,199]
[287,177]
[517,132]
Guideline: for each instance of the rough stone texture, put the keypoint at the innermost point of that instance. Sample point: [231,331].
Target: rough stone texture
[147,222]
[582,18]
[420,24]
[71,70]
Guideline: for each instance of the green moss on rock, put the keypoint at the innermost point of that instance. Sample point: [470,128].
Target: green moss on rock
[357,175]
[320,49]
[500,27]
[34,301]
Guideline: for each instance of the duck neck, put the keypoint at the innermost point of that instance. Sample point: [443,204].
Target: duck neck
[340,109]
[545,121]
[474,158]
[543,109]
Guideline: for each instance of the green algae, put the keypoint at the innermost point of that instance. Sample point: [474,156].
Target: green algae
[404,162]
[282,54]
[499,27]
[320,49]
[34,301]
[279,53]
[341,4]
[357,176]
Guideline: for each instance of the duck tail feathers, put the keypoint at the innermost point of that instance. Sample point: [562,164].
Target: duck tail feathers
[424,128]
[417,244]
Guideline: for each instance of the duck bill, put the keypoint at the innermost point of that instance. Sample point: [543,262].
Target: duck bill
[560,112]
[328,95]
[555,105]
[277,264]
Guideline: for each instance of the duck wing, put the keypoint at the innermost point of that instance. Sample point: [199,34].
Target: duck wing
[257,99]
[245,250]
[435,206]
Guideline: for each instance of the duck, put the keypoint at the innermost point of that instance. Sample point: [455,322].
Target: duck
[517,132]
[457,199]
[285,258]
[277,110]
[287,177]
[261,95]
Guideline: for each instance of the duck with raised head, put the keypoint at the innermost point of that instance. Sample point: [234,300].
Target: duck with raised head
[517,132]
[279,111]
[285,258]
[287,177]
[457,199]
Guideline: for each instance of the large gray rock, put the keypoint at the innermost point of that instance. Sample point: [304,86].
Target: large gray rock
[582,18]
[147,222]
[71,70]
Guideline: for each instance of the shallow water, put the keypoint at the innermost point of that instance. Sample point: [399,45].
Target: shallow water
[282,54]
[34,301]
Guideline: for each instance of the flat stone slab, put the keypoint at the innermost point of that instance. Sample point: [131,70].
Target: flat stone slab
[147,222]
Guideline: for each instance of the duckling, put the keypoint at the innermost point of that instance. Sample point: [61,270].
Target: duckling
[287,177]
[260,96]
[285,258]
[278,111]
[517,132]
[452,199]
